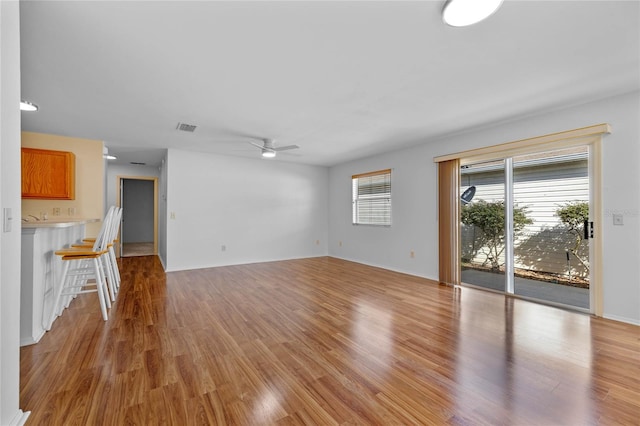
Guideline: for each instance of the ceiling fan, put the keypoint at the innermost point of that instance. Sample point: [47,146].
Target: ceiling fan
[269,150]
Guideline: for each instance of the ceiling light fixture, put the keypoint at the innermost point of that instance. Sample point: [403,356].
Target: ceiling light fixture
[461,13]
[111,157]
[28,106]
[267,153]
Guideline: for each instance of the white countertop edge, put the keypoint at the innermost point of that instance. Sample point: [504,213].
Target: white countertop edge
[57,223]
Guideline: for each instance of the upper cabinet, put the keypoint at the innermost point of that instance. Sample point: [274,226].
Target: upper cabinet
[48,175]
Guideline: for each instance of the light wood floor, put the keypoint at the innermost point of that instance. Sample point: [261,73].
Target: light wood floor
[324,341]
[137,249]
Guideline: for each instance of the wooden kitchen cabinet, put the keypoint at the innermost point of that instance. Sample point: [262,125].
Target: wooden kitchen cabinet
[48,175]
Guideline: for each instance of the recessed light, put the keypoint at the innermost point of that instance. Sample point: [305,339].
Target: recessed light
[28,106]
[461,13]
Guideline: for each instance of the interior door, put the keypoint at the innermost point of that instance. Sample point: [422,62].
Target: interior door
[139,216]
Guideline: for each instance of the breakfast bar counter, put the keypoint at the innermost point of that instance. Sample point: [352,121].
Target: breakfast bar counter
[41,269]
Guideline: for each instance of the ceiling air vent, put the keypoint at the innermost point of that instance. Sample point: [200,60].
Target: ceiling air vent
[186,127]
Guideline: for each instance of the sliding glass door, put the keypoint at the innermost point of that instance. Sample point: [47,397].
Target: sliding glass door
[551,254]
[482,186]
[522,225]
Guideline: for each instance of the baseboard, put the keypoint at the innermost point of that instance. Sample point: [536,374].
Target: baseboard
[20,418]
[622,319]
[238,262]
[164,267]
[388,268]
[26,341]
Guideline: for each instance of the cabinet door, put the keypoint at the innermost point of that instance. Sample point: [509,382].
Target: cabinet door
[48,175]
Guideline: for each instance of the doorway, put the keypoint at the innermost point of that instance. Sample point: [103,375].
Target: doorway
[139,226]
[523,226]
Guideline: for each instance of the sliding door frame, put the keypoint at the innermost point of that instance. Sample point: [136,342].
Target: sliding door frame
[592,136]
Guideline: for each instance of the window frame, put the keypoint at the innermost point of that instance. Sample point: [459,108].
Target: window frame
[356,219]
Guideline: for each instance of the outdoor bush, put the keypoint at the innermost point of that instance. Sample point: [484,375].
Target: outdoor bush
[573,215]
[489,218]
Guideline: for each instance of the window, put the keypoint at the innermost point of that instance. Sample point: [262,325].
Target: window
[372,198]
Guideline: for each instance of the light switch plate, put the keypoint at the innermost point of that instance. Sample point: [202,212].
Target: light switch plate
[7,218]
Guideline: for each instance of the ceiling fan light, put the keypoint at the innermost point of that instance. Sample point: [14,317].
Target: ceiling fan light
[28,106]
[462,13]
[267,153]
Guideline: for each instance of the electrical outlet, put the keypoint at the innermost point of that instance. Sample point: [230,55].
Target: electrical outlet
[172,215]
[317,242]
[56,211]
[412,254]
[618,220]
[72,211]
[339,243]
[223,248]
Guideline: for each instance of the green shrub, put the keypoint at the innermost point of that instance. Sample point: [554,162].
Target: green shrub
[489,218]
[574,215]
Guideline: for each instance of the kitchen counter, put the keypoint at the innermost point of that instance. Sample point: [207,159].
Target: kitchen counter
[41,271]
[56,223]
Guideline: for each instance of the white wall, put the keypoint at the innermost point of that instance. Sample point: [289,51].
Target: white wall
[413,204]
[414,187]
[10,242]
[260,210]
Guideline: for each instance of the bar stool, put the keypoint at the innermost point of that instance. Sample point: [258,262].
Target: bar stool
[80,264]
[113,239]
[110,261]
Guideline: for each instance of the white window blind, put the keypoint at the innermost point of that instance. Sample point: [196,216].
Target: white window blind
[372,198]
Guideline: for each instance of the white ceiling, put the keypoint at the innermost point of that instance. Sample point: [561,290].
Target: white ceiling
[343,80]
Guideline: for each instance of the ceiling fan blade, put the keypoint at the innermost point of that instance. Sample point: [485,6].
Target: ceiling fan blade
[257,145]
[284,148]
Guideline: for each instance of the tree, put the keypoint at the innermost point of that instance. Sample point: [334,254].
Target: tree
[574,215]
[489,218]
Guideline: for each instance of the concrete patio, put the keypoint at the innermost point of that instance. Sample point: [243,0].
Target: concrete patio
[551,292]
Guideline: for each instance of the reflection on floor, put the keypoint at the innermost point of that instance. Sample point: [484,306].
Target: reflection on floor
[540,290]
[137,249]
[324,341]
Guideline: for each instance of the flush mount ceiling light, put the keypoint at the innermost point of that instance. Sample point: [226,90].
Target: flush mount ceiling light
[461,13]
[267,153]
[28,106]
[269,150]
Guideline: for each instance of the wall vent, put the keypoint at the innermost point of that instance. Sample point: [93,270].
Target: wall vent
[186,127]
[136,163]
